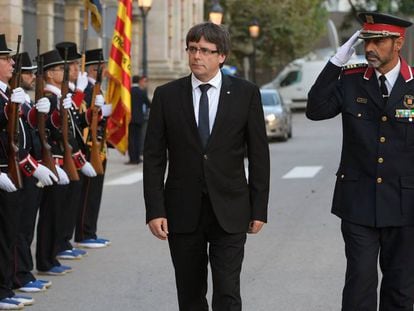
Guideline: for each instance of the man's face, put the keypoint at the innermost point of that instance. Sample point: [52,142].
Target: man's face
[28,79]
[383,53]
[204,65]
[55,75]
[6,68]
[73,70]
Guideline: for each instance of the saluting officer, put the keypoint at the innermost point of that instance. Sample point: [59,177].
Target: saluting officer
[374,192]
[86,226]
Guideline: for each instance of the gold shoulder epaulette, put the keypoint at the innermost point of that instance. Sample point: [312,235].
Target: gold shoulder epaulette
[355,66]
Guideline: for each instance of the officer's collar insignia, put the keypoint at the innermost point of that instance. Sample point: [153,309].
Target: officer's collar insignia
[409,101]
[362,100]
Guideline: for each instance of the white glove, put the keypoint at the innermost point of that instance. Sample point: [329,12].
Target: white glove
[67,101]
[345,51]
[6,184]
[82,81]
[44,175]
[63,177]
[87,170]
[18,96]
[43,105]
[106,110]
[99,101]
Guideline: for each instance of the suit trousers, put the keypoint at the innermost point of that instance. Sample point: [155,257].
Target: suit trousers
[190,253]
[90,203]
[10,209]
[395,248]
[23,260]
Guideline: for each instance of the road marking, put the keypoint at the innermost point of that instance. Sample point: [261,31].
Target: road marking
[129,179]
[302,172]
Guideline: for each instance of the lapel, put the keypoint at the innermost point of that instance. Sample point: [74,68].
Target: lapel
[401,87]
[372,87]
[222,109]
[188,107]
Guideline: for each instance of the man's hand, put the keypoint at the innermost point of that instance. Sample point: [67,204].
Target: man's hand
[159,227]
[255,226]
[345,51]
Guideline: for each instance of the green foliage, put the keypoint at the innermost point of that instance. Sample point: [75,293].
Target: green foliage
[288,28]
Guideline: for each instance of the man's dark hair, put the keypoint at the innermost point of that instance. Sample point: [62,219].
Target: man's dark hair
[212,33]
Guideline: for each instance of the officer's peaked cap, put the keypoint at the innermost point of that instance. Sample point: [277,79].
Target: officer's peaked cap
[378,25]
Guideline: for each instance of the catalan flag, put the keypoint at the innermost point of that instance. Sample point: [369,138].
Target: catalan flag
[119,71]
[96,13]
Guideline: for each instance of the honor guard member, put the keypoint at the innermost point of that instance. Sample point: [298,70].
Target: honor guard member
[77,84]
[86,226]
[49,224]
[23,279]
[11,198]
[374,191]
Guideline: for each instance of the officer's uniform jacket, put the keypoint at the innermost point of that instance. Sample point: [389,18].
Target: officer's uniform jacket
[375,179]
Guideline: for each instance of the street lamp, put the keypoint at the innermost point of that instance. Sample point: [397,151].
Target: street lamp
[144,6]
[254,31]
[216,13]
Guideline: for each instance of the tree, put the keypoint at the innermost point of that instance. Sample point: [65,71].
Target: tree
[288,29]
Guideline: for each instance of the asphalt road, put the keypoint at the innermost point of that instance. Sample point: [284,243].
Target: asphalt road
[295,264]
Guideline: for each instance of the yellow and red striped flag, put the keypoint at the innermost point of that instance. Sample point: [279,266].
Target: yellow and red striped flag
[119,71]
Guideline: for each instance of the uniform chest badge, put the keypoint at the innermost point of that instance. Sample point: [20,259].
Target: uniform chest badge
[409,101]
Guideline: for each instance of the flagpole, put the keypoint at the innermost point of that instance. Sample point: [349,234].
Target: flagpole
[85,35]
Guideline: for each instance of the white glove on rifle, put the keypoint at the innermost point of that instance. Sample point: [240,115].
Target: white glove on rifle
[44,175]
[6,184]
[82,81]
[18,96]
[63,177]
[67,101]
[106,110]
[99,101]
[88,170]
[345,51]
[43,105]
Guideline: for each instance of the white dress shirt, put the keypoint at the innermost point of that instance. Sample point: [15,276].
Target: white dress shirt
[213,94]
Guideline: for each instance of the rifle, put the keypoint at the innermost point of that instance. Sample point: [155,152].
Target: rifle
[13,125]
[47,158]
[68,163]
[96,145]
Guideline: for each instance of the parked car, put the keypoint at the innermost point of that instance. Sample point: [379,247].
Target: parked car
[277,114]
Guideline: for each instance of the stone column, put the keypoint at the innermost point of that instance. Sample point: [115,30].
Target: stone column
[45,24]
[11,21]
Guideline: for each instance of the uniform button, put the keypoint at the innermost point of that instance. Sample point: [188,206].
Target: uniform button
[384,118]
[382,139]
[379,180]
[380,160]
[359,115]
[205,157]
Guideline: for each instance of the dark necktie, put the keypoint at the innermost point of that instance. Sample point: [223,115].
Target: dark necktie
[383,88]
[203,120]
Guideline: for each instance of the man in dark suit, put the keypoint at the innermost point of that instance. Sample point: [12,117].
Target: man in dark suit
[205,122]
[374,193]
[139,105]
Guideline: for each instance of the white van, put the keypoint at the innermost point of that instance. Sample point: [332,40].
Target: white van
[296,79]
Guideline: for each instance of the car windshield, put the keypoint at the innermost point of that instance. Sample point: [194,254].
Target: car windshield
[270,99]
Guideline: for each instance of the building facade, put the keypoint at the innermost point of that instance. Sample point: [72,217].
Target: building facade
[54,21]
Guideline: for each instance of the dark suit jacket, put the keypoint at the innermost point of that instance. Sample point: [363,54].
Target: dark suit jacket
[220,168]
[375,179]
[139,99]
